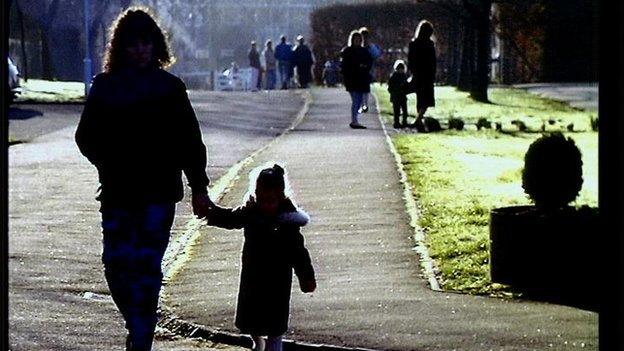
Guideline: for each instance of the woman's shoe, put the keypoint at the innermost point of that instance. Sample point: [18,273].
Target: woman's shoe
[356,126]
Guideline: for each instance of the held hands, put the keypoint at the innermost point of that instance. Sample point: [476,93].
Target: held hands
[202,205]
[251,202]
[307,286]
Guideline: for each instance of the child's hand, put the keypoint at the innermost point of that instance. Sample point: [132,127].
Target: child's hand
[307,286]
[251,202]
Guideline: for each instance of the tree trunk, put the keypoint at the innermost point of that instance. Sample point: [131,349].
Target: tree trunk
[20,17]
[46,31]
[467,57]
[46,56]
[454,65]
[481,79]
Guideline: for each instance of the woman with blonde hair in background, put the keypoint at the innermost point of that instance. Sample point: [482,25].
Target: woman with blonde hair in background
[421,61]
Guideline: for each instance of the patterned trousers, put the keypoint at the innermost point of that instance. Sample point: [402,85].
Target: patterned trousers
[135,240]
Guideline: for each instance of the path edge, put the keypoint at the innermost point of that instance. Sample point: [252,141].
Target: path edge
[193,330]
[411,207]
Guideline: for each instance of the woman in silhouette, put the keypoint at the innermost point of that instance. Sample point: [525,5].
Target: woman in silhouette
[355,69]
[139,130]
[421,61]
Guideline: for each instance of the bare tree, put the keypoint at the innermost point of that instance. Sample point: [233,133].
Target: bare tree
[479,11]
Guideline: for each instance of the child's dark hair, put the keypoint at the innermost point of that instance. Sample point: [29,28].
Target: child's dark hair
[269,176]
[272,178]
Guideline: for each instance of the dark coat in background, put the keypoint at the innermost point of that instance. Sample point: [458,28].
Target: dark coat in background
[272,249]
[421,61]
[140,131]
[303,61]
[398,87]
[254,59]
[356,63]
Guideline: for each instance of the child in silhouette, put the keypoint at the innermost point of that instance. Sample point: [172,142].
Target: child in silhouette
[397,87]
[273,247]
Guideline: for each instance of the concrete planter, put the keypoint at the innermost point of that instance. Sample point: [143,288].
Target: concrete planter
[553,255]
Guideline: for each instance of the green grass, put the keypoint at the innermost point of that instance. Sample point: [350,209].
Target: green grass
[507,104]
[459,176]
[12,140]
[44,91]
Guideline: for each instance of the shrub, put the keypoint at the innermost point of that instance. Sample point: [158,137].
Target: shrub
[553,171]
[456,123]
[483,123]
[433,125]
[520,124]
[594,124]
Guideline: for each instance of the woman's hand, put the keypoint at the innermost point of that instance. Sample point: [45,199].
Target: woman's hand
[202,205]
[307,286]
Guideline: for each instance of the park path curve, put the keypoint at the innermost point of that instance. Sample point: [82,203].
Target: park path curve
[580,95]
[371,292]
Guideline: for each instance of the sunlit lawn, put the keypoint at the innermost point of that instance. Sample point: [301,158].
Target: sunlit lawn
[12,140]
[459,176]
[45,91]
[508,104]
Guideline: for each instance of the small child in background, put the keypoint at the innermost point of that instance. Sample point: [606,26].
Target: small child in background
[273,247]
[398,88]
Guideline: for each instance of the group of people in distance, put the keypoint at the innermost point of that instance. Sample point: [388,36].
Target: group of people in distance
[284,59]
[357,67]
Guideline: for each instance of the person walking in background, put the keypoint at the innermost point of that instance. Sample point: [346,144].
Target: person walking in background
[375,52]
[139,130]
[256,67]
[355,69]
[422,65]
[283,54]
[303,60]
[331,72]
[269,64]
[397,87]
[273,247]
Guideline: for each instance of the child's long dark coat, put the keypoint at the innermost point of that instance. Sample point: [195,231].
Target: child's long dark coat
[398,87]
[272,249]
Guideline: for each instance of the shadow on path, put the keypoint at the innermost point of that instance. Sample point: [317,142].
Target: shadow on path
[19,113]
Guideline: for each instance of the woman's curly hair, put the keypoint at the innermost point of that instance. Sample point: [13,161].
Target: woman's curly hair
[136,23]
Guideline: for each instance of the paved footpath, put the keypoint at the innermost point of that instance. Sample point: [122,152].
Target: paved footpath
[579,95]
[371,292]
[58,299]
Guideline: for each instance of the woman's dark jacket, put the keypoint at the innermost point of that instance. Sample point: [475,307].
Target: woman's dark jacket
[302,58]
[397,87]
[140,131]
[273,248]
[355,68]
[254,59]
[421,61]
